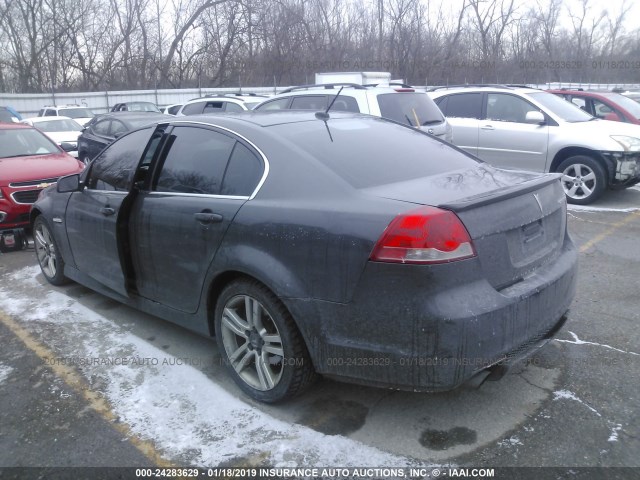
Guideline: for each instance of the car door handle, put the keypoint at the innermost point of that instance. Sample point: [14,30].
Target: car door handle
[107,211]
[487,127]
[207,217]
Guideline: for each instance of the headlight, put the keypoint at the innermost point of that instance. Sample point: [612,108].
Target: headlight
[629,144]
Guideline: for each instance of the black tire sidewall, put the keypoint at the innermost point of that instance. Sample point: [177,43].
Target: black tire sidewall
[277,312]
[598,169]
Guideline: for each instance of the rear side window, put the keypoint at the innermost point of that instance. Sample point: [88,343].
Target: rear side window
[243,173]
[213,107]
[462,105]
[409,108]
[366,152]
[193,108]
[196,161]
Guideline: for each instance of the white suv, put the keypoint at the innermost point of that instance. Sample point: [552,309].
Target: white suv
[398,102]
[234,102]
[80,114]
[525,128]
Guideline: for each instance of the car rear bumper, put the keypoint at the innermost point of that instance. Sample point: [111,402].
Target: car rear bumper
[416,328]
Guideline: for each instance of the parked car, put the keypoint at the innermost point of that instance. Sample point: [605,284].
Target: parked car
[105,128]
[80,114]
[347,246]
[530,129]
[29,161]
[398,102]
[8,115]
[219,104]
[632,94]
[171,109]
[136,107]
[59,129]
[605,105]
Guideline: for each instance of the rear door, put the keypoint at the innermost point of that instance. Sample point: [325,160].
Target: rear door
[200,181]
[463,112]
[97,217]
[506,140]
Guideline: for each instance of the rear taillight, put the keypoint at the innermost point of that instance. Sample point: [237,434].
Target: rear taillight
[424,235]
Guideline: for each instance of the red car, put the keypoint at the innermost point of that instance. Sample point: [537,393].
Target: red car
[29,162]
[605,105]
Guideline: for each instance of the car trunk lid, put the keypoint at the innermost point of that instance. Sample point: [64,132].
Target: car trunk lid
[517,220]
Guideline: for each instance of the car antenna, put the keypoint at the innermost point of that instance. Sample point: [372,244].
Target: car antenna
[325,115]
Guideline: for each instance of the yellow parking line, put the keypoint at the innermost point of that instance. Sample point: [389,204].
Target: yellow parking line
[598,238]
[75,381]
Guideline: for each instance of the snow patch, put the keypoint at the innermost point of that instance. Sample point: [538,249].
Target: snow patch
[5,371]
[614,433]
[566,394]
[577,341]
[510,442]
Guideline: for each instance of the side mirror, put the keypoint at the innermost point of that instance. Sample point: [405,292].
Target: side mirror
[70,183]
[535,117]
[68,147]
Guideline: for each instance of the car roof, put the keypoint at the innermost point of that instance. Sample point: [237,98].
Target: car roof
[233,99]
[132,116]
[521,89]
[585,93]
[265,119]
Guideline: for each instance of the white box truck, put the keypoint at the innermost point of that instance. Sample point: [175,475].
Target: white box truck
[360,78]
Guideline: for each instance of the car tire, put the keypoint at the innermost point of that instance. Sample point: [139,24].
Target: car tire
[263,350]
[48,253]
[583,179]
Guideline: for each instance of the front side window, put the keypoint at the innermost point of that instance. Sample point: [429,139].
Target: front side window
[507,108]
[213,107]
[232,107]
[309,102]
[117,128]
[279,104]
[102,127]
[114,168]
[196,161]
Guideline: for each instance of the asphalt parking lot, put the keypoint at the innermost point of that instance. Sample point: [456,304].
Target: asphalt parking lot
[85,381]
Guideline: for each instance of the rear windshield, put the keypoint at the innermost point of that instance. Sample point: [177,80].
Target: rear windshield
[6,116]
[367,152]
[410,108]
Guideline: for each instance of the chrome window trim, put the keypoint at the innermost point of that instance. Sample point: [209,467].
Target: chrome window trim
[265,174]
[155,193]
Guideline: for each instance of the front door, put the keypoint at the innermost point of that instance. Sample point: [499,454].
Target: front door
[506,140]
[96,216]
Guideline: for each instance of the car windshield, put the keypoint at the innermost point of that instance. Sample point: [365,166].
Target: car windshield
[410,108]
[61,125]
[628,104]
[567,111]
[370,152]
[25,142]
[251,105]
[76,112]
